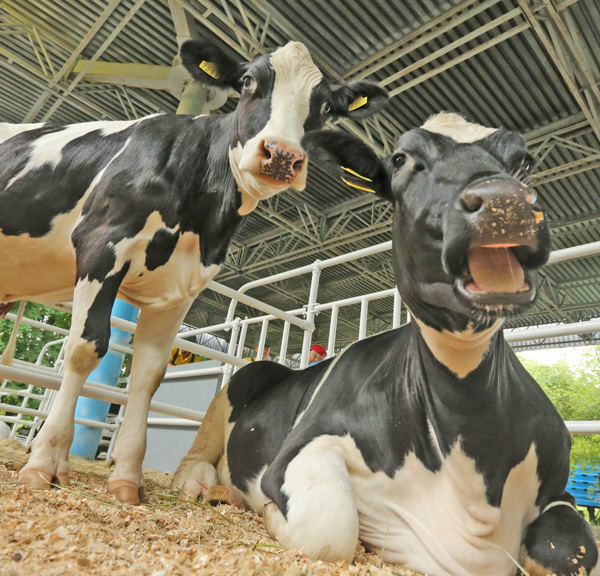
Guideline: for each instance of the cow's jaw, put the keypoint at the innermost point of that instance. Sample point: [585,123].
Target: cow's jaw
[296,76]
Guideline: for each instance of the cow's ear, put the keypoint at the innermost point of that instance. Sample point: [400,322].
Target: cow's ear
[351,160]
[208,64]
[358,99]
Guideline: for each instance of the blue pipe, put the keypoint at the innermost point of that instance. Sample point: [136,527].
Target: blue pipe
[87,439]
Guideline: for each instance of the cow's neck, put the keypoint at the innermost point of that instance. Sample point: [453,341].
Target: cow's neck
[212,203]
[460,352]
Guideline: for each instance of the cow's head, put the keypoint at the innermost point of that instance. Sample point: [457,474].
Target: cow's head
[283,95]
[468,231]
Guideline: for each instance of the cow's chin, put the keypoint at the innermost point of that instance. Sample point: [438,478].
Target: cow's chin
[495,282]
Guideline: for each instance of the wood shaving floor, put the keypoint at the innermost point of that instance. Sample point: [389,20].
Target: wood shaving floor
[82,530]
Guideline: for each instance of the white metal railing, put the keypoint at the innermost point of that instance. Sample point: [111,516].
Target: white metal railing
[302,318]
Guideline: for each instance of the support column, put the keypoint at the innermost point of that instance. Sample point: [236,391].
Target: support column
[87,439]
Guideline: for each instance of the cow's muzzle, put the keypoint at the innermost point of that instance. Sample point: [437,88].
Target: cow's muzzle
[505,223]
[281,162]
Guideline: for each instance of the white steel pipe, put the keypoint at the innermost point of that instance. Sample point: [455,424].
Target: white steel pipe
[172,422]
[396,314]
[522,335]
[581,251]
[583,427]
[332,330]
[237,296]
[285,337]
[92,390]
[305,269]
[44,415]
[175,374]
[310,313]
[36,324]
[362,326]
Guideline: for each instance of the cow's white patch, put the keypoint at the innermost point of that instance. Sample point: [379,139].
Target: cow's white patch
[320,384]
[253,494]
[180,279]
[433,522]
[7,130]
[440,522]
[460,352]
[47,149]
[85,294]
[456,127]
[295,78]
[322,517]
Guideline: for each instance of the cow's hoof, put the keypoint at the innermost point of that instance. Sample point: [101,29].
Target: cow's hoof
[36,479]
[223,495]
[126,491]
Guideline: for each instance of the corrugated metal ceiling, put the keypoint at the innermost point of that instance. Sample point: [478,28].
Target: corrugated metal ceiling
[531,66]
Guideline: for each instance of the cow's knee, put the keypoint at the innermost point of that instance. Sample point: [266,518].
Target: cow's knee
[560,542]
[321,517]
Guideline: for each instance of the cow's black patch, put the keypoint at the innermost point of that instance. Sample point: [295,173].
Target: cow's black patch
[97,324]
[160,248]
[266,399]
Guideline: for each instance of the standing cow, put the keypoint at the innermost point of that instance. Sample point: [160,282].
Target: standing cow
[145,210]
[430,443]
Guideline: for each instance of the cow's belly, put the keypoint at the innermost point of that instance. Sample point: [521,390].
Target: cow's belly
[440,522]
[39,269]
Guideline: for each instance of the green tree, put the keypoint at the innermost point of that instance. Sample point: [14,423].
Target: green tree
[31,342]
[576,394]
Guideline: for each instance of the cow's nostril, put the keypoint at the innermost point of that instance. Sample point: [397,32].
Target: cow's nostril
[298,164]
[471,201]
[266,151]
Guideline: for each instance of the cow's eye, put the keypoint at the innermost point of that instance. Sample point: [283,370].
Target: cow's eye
[527,163]
[399,159]
[248,82]
[326,108]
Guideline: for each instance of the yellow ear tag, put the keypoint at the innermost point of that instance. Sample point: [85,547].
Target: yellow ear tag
[357,186]
[210,68]
[350,171]
[358,103]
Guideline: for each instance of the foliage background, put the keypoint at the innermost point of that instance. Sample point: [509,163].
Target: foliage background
[30,343]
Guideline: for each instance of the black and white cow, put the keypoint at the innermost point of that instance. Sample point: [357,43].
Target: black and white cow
[145,210]
[431,444]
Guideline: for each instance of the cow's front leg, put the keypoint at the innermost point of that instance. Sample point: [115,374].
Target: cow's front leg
[204,472]
[151,349]
[561,542]
[87,344]
[321,518]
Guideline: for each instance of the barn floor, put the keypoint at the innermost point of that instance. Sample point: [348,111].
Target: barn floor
[81,530]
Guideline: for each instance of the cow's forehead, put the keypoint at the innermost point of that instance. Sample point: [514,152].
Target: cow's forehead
[293,65]
[456,127]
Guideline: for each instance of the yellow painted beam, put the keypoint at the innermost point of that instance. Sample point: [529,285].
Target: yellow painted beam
[138,75]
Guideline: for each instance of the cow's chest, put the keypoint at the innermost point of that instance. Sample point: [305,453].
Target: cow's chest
[178,277]
[440,522]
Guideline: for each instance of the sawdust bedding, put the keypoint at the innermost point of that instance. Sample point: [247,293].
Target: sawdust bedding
[82,530]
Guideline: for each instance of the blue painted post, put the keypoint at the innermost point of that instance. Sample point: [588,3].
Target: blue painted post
[87,439]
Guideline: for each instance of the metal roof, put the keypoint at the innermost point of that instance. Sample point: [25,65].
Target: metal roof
[529,65]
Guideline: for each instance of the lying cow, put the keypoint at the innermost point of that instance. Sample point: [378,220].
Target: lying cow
[145,210]
[431,444]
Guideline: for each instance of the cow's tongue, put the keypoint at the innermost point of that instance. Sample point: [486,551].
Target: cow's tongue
[494,270]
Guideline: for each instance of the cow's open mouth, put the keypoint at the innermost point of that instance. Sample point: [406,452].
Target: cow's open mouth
[495,277]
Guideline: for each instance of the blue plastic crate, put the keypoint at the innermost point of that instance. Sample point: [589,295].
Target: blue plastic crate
[584,487]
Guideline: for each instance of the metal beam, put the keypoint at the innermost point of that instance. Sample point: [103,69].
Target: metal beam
[135,75]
